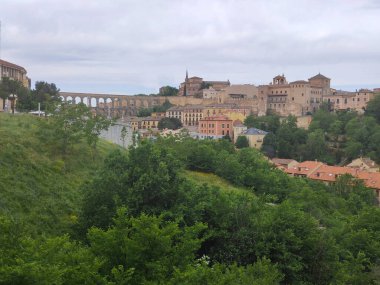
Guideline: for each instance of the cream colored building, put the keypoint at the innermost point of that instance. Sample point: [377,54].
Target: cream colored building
[364,163]
[296,98]
[238,129]
[211,93]
[345,100]
[14,72]
[189,115]
[255,137]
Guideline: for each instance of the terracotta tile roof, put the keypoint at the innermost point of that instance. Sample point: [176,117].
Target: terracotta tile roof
[282,161]
[371,179]
[322,172]
[331,173]
[304,168]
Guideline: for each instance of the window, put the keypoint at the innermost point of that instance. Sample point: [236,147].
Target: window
[228,125]
[222,125]
[292,98]
[223,132]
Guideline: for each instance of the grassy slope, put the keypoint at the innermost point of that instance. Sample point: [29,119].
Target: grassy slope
[37,188]
[214,180]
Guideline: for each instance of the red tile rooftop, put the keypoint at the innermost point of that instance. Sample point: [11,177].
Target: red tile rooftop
[319,171]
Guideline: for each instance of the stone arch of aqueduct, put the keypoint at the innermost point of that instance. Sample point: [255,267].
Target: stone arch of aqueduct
[124,105]
[114,105]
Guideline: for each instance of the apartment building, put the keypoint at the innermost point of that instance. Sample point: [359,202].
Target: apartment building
[189,115]
[215,127]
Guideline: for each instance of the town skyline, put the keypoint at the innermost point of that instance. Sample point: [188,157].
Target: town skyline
[144,46]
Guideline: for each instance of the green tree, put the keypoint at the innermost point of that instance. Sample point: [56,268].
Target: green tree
[316,147]
[261,272]
[242,142]
[373,108]
[47,94]
[68,124]
[169,123]
[94,124]
[8,87]
[168,91]
[123,134]
[150,246]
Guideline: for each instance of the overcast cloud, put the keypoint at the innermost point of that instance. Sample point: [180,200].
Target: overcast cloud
[128,47]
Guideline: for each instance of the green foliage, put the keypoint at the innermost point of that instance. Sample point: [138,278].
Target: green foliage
[148,245]
[267,123]
[242,142]
[373,108]
[145,218]
[169,123]
[146,112]
[70,123]
[38,188]
[168,91]
[9,86]
[145,180]
[261,272]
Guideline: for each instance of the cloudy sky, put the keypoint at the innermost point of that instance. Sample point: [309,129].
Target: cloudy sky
[135,46]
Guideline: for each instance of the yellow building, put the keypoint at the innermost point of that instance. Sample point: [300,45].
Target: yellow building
[255,137]
[232,111]
[150,122]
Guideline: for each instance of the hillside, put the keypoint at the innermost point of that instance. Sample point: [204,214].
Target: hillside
[200,178]
[173,212]
[37,187]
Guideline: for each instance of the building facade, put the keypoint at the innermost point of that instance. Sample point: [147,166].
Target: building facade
[216,127]
[194,86]
[189,115]
[14,72]
[344,100]
[255,137]
[296,98]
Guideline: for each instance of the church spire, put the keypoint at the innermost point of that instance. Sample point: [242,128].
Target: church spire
[184,87]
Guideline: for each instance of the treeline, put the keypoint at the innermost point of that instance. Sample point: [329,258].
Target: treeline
[45,94]
[333,137]
[146,112]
